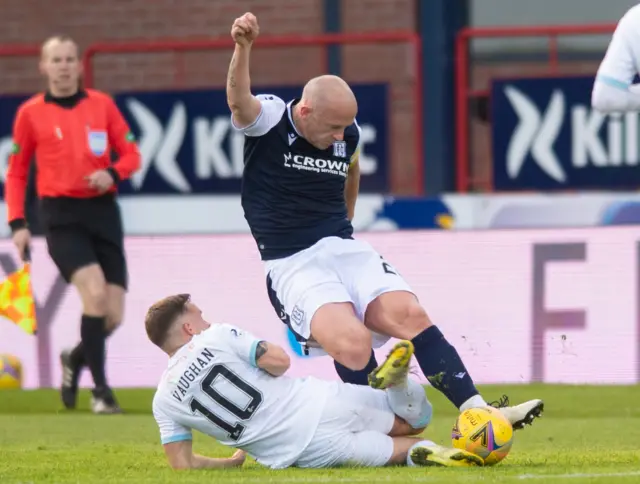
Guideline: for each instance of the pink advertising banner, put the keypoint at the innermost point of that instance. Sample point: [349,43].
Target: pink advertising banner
[558,306]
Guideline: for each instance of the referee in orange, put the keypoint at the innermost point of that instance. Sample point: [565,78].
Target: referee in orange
[72,132]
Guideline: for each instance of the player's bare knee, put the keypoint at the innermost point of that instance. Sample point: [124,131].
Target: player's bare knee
[354,348]
[94,298]
[416,319]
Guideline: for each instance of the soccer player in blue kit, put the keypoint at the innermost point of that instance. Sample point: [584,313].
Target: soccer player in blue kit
[336,293]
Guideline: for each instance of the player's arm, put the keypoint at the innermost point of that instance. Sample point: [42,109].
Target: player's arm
[180,456]
[18,170]
[177,442]
[351,188]
[272,358]
[613,90]
[252,115]
[245,107]
[259,353]
[352,185]
[122,139]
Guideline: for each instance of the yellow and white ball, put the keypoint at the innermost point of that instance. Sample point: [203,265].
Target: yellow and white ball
[484,432]
[10,372]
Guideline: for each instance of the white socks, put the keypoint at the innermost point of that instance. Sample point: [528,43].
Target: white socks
[409,402]
[474,402]
[423,443]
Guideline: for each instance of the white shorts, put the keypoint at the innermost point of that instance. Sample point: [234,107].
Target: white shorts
[331,271]
[353,429]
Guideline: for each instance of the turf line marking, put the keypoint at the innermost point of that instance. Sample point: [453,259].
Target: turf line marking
[577,476]
[429,478]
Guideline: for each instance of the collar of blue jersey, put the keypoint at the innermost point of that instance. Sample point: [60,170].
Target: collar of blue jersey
[290,105]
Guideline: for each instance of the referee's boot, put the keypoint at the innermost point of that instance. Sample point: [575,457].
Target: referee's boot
[104,402]
[70,377]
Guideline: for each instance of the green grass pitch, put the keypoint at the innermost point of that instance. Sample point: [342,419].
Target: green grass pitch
[588,434]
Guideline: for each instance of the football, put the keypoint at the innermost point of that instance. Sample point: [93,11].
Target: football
[10,372]
[484,432]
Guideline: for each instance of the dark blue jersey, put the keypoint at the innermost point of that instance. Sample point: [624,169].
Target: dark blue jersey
[293,192]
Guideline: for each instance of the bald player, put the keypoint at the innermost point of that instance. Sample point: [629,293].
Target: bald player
[299,190]
[72,132]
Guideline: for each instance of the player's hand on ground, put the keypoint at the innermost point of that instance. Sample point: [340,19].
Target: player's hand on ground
[100,180]
[245,29]
[239,457]
[22,241]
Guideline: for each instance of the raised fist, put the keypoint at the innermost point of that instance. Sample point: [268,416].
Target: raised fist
[245,29]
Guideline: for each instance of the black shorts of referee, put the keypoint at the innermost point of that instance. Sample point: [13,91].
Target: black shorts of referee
[81,232]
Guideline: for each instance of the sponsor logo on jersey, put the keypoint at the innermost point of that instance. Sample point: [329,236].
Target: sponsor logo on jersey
[340,149]
[318,165]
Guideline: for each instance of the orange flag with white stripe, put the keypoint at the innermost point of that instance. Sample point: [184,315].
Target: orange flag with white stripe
[16,299]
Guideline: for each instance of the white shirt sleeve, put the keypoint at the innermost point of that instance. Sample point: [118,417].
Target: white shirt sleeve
[272,109]
[241,342]
[356,154]
[612,90]
[170,431]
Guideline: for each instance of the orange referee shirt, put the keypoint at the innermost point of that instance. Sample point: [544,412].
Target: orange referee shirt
[71,140]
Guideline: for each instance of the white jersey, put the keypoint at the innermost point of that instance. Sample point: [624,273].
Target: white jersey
[613,89]
[213,385]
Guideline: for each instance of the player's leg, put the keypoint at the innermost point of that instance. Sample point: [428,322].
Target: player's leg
[71,250]
[115,306]
[336,328]
[414,451]
[92,287]
[374,449]
[426,453]
[357,426]
[108,243]
[356,377]
[389,307]
[73,360]
[310,298]
[399,314]
[406,398]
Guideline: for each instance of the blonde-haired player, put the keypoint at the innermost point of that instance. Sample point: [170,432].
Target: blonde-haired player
[227,384]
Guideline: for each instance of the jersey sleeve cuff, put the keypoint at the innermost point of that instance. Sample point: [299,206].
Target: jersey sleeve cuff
[252,353]
[114,174]
[247,128]
[17,224]
[176,438]
[611,81]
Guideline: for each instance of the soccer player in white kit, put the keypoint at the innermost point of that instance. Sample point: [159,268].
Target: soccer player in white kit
[227,384]
[613,90]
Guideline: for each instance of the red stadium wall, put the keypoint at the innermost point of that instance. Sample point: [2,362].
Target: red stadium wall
[473,81]
[118,20]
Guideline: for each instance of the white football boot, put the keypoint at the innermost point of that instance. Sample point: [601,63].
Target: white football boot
[519,415]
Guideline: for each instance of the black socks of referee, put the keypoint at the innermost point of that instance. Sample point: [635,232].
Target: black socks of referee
[92,332]
[77,354]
